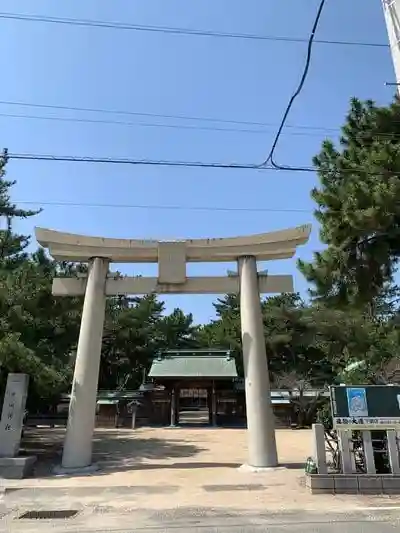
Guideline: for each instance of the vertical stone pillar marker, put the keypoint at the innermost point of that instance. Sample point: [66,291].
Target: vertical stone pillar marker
[12,420]
[260,418]
[82,409]
[12,416]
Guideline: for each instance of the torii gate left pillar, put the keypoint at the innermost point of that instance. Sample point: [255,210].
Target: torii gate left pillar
[82,408]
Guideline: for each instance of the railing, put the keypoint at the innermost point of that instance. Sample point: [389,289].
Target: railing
[356,452]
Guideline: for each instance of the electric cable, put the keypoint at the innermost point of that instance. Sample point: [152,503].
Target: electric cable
[177,31]
[270,158]
[158,115]
[311,131]
[183,164]
[160,207]
[263,167]
[157,125]
[133,162]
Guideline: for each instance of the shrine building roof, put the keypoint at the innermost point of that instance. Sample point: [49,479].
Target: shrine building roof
[211,364]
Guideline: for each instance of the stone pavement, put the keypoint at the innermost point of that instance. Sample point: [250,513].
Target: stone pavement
[185,520]
[167,469]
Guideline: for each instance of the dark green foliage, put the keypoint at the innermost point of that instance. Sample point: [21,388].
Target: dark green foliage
[358,207]
[12,245]
[135,330]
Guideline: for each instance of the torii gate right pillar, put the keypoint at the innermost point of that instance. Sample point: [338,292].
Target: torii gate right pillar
[260,418]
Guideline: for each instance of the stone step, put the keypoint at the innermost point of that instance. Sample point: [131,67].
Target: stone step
[194,417]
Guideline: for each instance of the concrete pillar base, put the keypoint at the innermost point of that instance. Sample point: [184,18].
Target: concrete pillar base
[259,469]
[16,467]
[60,470]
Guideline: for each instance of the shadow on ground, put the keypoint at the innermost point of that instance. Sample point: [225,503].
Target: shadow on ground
[114,452]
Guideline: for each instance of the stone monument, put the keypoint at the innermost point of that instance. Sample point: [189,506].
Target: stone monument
[11,465]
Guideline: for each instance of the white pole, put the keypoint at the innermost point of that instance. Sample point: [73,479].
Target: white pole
[82,409]
[260,417]
[391,9]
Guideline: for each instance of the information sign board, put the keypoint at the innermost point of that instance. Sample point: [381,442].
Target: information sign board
[373,407]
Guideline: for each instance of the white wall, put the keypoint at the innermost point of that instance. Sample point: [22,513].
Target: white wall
[392,15]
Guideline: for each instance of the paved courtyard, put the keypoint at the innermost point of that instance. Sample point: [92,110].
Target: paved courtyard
[165,468]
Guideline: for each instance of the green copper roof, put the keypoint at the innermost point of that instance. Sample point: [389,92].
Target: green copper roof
[196,364]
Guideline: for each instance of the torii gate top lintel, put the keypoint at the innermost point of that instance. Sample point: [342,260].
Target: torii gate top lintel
[264,246]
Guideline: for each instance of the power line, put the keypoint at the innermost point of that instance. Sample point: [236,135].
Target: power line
[134,162]
[183,164]
[270,158]
[311,131]
[172,163]
[159,125]
[161,207]
[158,115]
[177,31]
[169,163]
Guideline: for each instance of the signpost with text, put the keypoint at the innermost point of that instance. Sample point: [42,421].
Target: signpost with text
[369,407]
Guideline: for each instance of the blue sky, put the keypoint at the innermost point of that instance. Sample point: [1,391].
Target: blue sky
[243,80]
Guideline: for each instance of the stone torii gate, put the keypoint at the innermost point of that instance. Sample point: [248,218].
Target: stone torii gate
[171,257]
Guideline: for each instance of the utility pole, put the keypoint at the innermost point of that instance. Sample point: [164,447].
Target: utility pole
[391,10]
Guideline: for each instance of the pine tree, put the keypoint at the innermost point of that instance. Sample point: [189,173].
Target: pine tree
[358,207]
[36,331]
[12,245]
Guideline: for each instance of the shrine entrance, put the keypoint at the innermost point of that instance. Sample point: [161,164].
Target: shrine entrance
[193,399]
[194,379]
[172,257]
[194,408]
